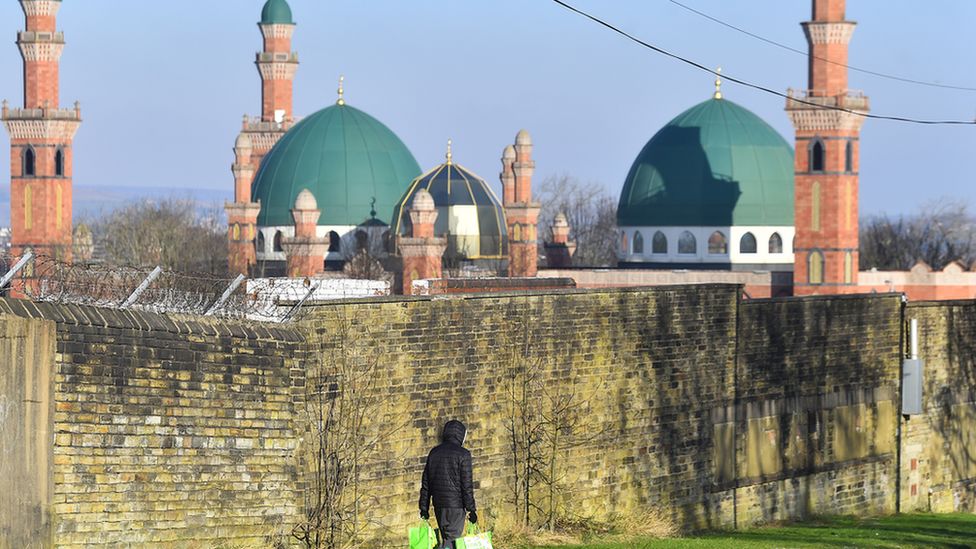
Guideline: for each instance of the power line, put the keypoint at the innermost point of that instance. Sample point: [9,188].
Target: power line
[757,86]
[806,54]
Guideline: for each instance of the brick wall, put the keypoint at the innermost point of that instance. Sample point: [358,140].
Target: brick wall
[168,432]
[939,446]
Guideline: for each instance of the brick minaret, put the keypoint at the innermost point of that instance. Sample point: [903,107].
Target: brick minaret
[41,135]
[421,251]
[559,251]
[827,151]
[521,213]
[305,252]
[277,65]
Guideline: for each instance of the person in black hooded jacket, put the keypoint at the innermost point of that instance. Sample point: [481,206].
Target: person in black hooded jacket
[448,480]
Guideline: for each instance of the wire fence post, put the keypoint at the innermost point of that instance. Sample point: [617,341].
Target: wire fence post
[223,298]
[24,259]
[301,302]
[142,288]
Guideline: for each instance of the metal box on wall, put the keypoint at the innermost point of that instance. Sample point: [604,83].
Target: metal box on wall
[911,387]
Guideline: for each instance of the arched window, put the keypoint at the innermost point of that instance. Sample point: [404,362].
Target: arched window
[718,244]
[362,240]
[848,268]
[277,242]
[815,206]
[623,242]
[335,243]
[236,232]
[30,162]
[687,244]
[517,233]
[659,245]
[59,163]
[28,207]
[815,267]
[776,244]
[849,157]
[259,243]
[638,243]
[817,154]
[747,244]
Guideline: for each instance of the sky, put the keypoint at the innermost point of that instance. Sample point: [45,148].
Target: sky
[163,85]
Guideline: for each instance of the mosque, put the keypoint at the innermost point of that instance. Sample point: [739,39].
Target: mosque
[716,195]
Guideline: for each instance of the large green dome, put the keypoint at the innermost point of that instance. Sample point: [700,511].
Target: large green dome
[716,164]
[346,158]
[276,12]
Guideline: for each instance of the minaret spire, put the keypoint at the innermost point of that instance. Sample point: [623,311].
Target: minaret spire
[41,138]
[718,83]
[342,92]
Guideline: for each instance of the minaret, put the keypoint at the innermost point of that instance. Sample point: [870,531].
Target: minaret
[827,151]
[421,251]
[41,135]
[277,65]
[559,251]
[521,213]
[305,252]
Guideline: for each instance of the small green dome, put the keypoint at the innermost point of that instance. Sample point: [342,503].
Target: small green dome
[276,12]
[346,158]
[716,164]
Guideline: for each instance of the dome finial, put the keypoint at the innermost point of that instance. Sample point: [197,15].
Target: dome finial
[718,83]
[450,153]
[341,101]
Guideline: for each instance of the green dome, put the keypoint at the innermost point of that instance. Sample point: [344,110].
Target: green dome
[346,158]
[716,164]
[276,12]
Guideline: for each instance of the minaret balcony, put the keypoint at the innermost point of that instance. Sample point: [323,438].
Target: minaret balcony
[854,100]
[29,37]
[71,115]
[276,57]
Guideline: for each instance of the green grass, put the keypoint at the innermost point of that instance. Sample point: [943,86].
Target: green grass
[902,532]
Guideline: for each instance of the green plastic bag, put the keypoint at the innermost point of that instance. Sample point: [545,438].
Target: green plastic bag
[474,539]
[422,536]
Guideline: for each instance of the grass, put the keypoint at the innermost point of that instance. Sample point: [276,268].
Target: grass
[952,531]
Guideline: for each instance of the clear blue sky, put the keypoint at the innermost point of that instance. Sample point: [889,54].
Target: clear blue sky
[163,85]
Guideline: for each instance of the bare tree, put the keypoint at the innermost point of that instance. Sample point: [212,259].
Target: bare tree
[941,232]
[367,256]
[175,234]
[592,215]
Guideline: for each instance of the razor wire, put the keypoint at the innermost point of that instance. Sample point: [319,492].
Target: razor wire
[48,279]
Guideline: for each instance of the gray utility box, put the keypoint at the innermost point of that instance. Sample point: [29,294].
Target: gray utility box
[911,387]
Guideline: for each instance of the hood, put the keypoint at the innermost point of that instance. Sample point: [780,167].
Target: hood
[454,431]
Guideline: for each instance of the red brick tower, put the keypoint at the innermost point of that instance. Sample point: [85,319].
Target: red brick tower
[559,251]
[305,252]
[421,251]
[277,65]
[41,135]
[827,150]
[521,213]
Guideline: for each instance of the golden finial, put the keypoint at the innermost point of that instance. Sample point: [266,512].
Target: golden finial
[341,100]
[718,83]
[450,154]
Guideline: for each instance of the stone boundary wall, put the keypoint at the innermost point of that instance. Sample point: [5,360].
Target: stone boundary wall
[164,431]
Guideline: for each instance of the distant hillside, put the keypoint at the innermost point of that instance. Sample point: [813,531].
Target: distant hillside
[94,202]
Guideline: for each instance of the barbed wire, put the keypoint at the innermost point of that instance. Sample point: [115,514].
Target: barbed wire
[48,279]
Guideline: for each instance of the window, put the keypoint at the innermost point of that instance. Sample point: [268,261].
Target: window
[815,206]
[659,245]
[236,232]
[817,154]
[259,244]
[638,243]
[335,243]
[776,244]
[517,233]
[30,162]
[59,163]
[277,242]
[747,244]
[718,244]
[687,244]
[848,268]
[815,267]
[849,157]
